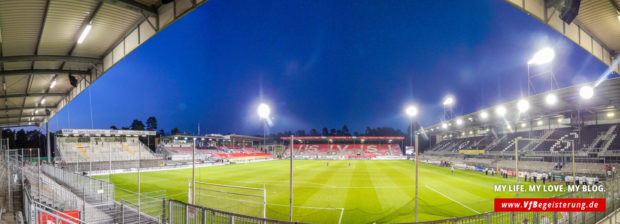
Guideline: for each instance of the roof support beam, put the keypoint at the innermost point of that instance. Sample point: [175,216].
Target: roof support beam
[51,58]
[24,116]
[134,6]
[31,94]
[30,108]
[43,72]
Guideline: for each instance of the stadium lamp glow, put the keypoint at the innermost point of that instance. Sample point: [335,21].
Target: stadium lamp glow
[500,111]
[543,56]
[448,101]
[459,121]
[411,111]
[263,111]
[484,115]
[551,99]
[444,126]
[586,92]
[523,105]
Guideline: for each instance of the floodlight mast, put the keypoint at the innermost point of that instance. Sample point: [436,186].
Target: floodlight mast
[263,112]
[543,56]
[448,103]
[412,112]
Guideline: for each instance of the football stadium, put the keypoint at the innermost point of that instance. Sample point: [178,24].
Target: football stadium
[547,156]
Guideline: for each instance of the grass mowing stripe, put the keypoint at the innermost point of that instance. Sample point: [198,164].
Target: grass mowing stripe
[369,191]
[452,199]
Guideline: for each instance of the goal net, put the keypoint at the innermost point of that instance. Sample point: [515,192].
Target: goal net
[249,201]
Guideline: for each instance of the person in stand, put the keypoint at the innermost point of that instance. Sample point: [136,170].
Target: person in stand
[526,221]
[595,180]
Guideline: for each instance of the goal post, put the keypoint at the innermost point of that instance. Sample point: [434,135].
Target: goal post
[572,143]
[229,194]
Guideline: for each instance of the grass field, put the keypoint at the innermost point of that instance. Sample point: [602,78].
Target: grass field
[366,192]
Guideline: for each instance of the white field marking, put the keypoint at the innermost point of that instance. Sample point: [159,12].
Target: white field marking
[451,199]
[326,185]
[260,203]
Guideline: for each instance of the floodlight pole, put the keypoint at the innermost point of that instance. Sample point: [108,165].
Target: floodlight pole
[193,172]
[416,174]
[516,170]
[290,203]
[573,149]
[47,136]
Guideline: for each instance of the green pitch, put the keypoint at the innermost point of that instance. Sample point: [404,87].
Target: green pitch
[364,192]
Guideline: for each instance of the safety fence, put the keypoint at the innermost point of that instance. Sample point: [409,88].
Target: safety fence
[183,213]
[611,195]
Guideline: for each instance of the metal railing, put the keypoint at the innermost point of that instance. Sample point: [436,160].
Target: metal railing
[183,213]
[612,202]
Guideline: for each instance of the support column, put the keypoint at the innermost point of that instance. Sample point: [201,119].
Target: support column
[48,143]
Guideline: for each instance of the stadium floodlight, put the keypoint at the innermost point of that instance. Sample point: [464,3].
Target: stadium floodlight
[471,132]
[523,105]
[448,100]
[53,84]
[42,101]
[459,121]
[551,99]
[444,126]
[411,111]
[543,56]
[611,114]
[484,115]
[560,120]
[263,111]
[539,123]
[586,92]
[523,124]
[84,33]
[500,111]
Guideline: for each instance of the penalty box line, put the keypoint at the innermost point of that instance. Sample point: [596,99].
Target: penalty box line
[432,189]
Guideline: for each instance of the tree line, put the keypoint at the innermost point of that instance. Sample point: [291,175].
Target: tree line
[151,125]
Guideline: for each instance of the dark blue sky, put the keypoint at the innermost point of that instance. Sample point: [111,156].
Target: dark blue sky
[325,64]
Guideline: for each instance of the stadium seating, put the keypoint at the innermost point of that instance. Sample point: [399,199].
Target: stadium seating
[346,149]
[76,149]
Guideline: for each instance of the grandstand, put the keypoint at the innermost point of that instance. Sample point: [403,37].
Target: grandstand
[591,125]
[100,149]
[352,147]
[211,147]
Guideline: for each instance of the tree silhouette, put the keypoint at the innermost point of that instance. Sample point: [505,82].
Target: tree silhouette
[137,125]
[151,123]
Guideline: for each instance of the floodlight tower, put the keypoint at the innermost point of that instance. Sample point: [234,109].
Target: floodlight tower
[448,103]
[412,112]
[263,112]
[543,56]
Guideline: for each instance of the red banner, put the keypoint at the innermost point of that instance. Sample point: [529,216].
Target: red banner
[68,215]
[549,204]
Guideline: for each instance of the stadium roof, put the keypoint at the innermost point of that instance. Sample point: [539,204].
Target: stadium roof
[606,98]
[344,138]
[42,65]
[217,137]
[596,28]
